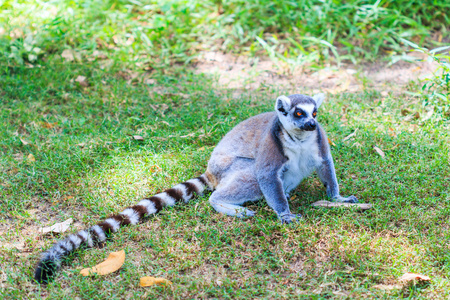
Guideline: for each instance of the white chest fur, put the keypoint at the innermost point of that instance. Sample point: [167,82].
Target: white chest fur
[303,159]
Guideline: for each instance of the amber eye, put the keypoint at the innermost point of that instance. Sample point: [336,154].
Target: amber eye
[298,114]
[314,114]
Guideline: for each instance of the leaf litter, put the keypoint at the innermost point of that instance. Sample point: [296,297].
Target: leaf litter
[113,263]
[58,227]
[149,281]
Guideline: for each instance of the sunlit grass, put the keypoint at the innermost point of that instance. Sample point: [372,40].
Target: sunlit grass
[67,150]
[88,166]
[155,34]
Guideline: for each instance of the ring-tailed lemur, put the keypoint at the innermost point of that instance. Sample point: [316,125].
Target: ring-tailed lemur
[265,156]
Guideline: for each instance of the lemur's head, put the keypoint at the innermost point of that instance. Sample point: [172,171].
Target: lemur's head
[298,112]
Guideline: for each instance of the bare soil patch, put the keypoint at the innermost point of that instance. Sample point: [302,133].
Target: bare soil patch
[246,73]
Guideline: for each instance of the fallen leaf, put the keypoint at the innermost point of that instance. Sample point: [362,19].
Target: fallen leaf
[24,142]
[82,80]
[331,142]
[68,55]
[155,168]
[323,203]
[31,157]
[379,151]
[149,81]
[350,135]
[392,132]
[405,112]
[417,115]
[407,277]
[58,227]
[49,125]
[428,115]
[138,138]
[113,263]
[387,286]
[149,281]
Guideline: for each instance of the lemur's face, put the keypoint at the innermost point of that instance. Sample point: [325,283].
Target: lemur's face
[298,113]
[303,116]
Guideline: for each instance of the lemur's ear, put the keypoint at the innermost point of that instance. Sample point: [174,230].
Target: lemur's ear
[319,99]
[283,105]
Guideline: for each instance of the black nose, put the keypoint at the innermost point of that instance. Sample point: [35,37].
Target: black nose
[310,125]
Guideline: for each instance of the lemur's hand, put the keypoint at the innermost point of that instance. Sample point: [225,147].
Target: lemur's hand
[351,199]
[289,218]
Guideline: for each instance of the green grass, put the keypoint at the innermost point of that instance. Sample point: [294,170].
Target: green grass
[154,34]
[88,166]
[67,150]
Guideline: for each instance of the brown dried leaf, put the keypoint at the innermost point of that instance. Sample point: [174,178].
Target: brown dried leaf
[155,168]
[407,277]
[379,151]
[331,142]
[405,112]
[113,263]
[138,138]
[49,125]
[149,281]
[392,132]
[82,80]
[58,227]
[31,157]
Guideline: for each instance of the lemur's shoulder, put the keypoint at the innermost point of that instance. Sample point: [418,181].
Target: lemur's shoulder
[244,139]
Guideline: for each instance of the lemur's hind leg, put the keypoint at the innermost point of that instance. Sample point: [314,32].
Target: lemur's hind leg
[231,209]
[232,193]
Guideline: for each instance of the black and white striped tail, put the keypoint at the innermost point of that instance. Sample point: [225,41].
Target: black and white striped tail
[51,259]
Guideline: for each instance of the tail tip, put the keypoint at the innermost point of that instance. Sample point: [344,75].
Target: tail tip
[45,271]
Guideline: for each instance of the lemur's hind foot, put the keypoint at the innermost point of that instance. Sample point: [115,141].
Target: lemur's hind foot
[232,210]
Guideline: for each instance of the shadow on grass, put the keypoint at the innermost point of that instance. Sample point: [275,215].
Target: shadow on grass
[86,160]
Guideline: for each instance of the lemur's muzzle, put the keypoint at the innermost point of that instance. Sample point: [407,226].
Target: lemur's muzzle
[310,125]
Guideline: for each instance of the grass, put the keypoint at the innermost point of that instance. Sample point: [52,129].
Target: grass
[67,150]
[88,166]
[155,34]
